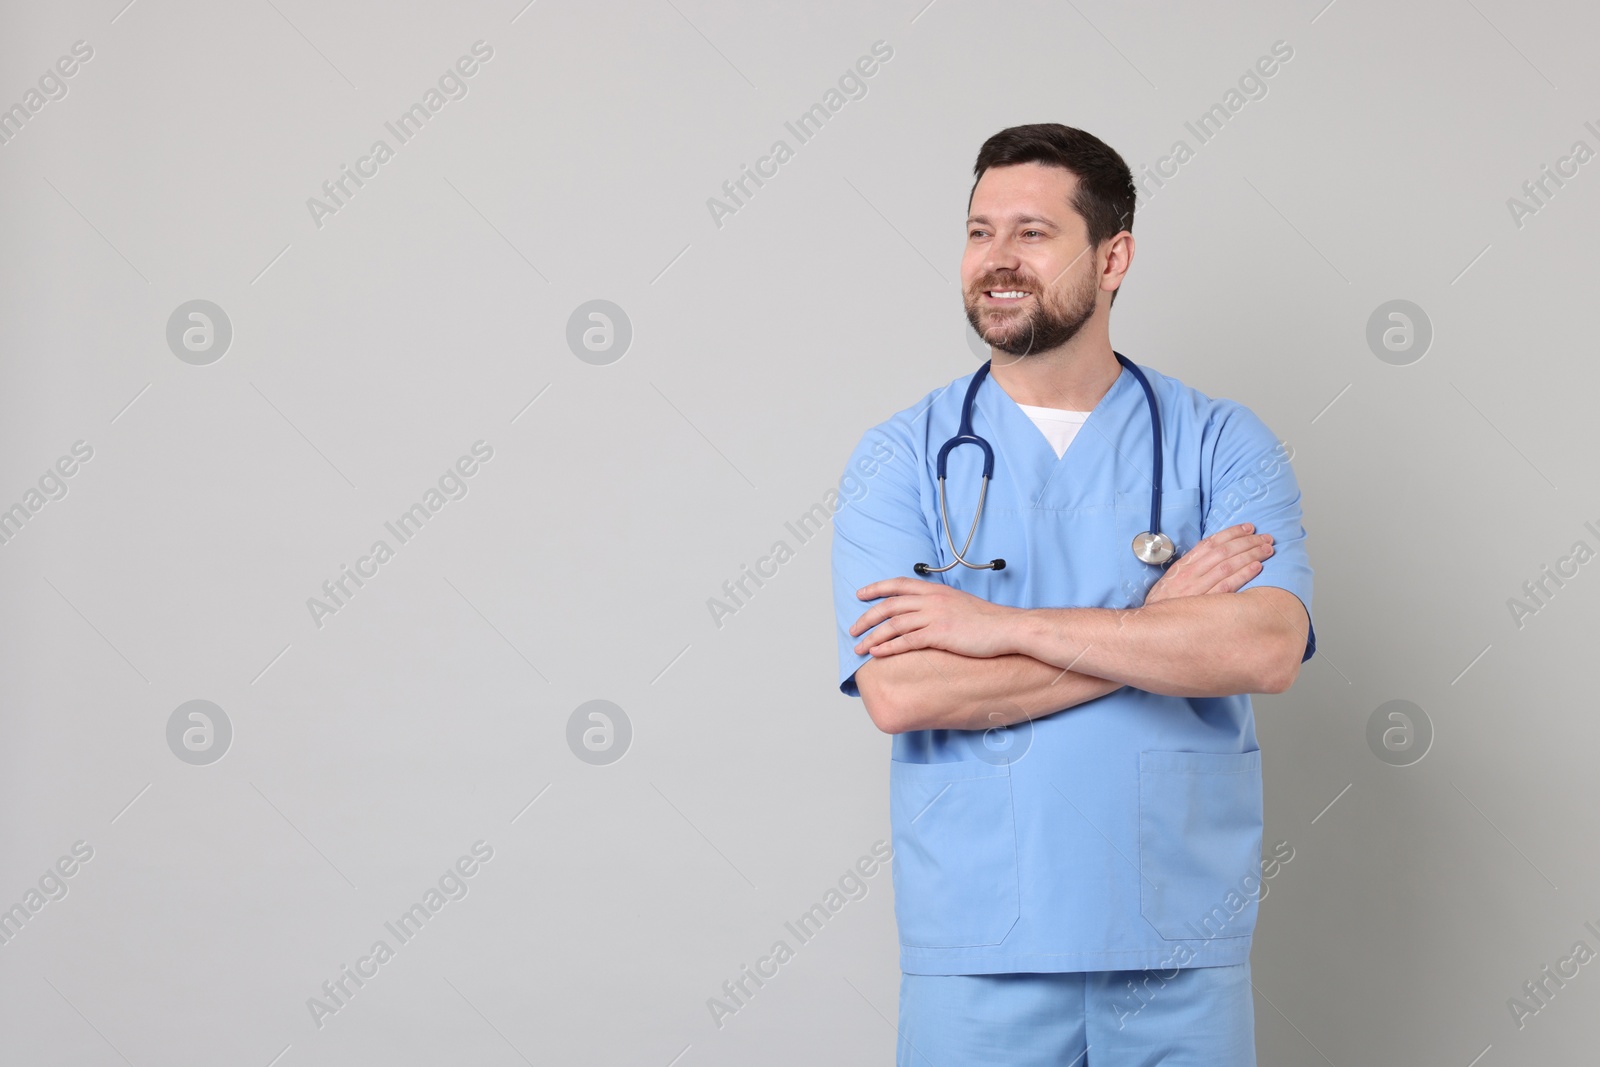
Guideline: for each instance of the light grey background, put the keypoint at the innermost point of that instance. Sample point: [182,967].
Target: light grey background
[432,311]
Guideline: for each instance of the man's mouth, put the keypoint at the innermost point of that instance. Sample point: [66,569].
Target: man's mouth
[1006,296]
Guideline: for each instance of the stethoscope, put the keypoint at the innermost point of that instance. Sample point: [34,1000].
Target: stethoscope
[1152,546]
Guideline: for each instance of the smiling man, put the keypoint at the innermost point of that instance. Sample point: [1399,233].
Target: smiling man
[1062,635]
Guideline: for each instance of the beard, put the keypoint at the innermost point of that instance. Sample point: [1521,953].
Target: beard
[1048,320]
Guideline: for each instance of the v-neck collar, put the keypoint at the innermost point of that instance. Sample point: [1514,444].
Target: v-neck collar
[1028,453]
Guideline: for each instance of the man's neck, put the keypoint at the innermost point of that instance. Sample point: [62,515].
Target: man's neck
[1071,377]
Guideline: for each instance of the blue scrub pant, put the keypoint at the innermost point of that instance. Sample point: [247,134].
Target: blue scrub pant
[1198,1017]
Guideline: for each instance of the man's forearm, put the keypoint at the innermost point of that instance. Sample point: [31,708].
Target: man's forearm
[1212,645]
[931,689]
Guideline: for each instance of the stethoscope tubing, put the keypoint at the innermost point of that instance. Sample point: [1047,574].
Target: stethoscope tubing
[1155,437]
[967,435]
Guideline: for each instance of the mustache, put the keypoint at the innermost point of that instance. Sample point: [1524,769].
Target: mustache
[1019,282]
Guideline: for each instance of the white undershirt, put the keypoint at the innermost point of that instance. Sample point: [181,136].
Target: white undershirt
[1058,425]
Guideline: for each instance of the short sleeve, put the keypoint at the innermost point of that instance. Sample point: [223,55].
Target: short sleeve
[1251,481]
[879,532]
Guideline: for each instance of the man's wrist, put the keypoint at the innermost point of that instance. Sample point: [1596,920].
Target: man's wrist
[1023,628]
[1046,634]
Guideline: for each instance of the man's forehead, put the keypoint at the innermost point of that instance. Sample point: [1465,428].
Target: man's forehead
[1021,219]
[1029,193]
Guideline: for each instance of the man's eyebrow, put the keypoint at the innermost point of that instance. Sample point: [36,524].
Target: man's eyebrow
[1020,219]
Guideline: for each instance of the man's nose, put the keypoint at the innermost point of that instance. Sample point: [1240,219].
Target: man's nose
[1002,253]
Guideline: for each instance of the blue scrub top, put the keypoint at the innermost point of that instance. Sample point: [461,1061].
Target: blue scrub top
[1123,833]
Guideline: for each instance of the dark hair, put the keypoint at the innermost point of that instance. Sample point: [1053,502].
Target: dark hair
[1105,194]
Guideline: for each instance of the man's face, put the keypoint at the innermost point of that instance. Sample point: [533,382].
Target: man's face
[1024,237]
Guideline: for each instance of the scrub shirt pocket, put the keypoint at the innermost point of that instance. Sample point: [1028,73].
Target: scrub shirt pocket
[1200,843]
[1181,519]
[955,853]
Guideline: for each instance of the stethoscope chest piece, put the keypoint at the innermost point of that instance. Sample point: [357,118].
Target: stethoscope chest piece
[1153,548]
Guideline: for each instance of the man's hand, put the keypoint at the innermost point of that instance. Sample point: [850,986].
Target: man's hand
[1220,563]
[918,614]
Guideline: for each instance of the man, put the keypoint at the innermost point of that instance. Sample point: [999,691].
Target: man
[1075,789]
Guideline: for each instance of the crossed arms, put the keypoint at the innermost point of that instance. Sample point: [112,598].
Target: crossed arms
[945,659]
